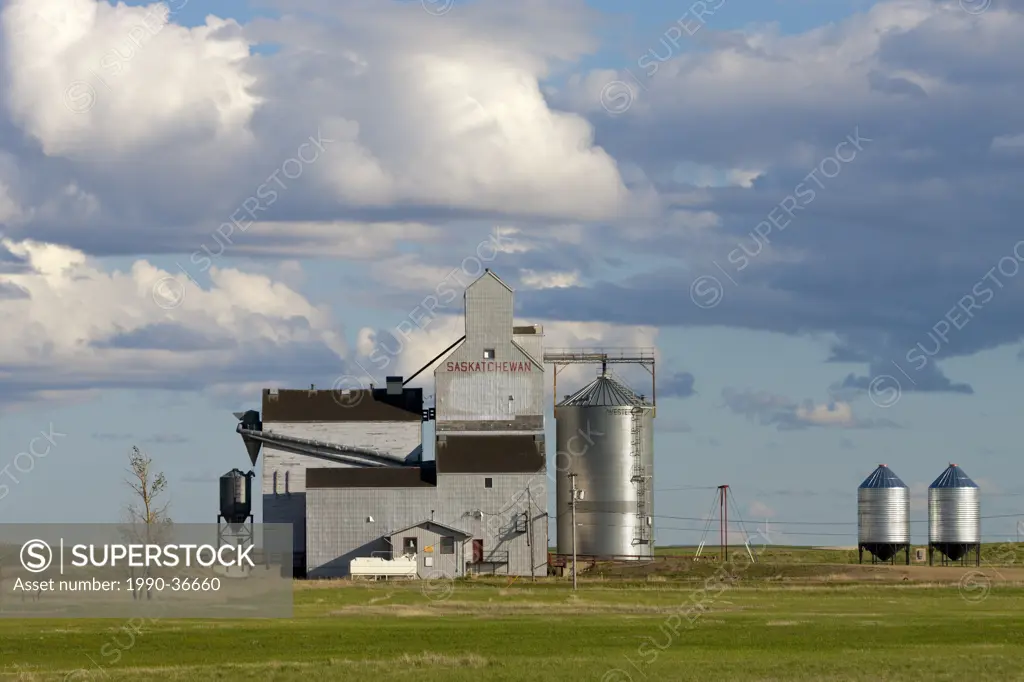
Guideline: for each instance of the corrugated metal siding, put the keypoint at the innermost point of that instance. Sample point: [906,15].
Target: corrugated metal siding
[287,504]
[532,344]
[596,444]
[336,538]
[484,395]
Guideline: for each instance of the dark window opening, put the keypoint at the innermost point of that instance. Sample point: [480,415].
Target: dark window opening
[488,353]
[488,482]
[408,545]
[447,545]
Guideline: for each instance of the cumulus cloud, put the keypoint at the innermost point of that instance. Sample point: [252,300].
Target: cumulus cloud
[81,77]
[76,327]
[485,123]
[80,326]
[439,122]
[869,259]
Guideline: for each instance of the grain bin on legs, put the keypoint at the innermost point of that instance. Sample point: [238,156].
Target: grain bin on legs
[236,496]
[883,516]
[605,436]
[954,517]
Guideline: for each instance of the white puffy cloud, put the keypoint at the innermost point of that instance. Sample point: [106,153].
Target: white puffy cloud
[439,128]
[77,326]
[88,78]
[72,327]
[185,123]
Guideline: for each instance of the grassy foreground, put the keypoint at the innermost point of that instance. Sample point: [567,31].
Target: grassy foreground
[750,629]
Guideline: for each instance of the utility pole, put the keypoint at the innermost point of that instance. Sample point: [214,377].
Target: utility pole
[575,494]
[723,520]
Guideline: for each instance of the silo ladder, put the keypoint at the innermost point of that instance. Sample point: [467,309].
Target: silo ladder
[641,533]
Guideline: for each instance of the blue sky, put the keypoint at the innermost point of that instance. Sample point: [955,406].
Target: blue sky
[788,365]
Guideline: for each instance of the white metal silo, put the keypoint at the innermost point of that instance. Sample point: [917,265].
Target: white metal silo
[883,516]
[605,435]
[954,517]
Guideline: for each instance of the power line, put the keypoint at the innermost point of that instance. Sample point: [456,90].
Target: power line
[826,523]
[852,536]
[686,487]
[801,523]
[803,493]
[701,530]
[807,493]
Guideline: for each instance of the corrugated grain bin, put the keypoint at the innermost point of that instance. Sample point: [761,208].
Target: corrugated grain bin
[605,435]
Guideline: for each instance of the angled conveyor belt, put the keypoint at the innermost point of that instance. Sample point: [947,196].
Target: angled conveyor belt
[332,452]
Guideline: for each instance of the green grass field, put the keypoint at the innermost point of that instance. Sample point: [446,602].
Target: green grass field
[801,628]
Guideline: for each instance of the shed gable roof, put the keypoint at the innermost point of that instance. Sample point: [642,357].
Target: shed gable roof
[426,523]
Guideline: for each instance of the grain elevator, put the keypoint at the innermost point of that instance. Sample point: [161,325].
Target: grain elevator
[346,468]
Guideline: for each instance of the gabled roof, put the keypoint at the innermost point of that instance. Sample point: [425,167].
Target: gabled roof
[883,477]
[953,477]
[426,523]
[489,272]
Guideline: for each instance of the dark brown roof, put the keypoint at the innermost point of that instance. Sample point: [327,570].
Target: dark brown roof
[503,454]
[332,405]
[372,477]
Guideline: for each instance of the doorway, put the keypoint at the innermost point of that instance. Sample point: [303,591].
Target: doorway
[478,551]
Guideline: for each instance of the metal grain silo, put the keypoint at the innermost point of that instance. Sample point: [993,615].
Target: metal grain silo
[605,436]
[883,516]
[236,496]
[954,517]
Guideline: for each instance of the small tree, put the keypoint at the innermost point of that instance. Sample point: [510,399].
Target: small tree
[146,510]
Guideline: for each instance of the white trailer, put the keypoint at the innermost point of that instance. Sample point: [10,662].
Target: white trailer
[379,568]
